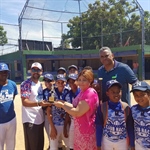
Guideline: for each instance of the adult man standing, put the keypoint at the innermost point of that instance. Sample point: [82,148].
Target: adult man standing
[32,113]
[8,90]
[112,69]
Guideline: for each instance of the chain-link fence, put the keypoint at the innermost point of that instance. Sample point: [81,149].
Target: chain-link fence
[90,25]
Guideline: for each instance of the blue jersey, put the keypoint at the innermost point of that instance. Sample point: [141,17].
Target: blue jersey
[116,128]
[7,93]
[141,118]
[59,113]
[46,94]
[70,96]
[123,74]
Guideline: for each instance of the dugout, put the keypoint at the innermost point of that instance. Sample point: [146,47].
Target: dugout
[19,62]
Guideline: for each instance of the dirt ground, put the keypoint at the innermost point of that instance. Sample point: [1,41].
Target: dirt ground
[19,134]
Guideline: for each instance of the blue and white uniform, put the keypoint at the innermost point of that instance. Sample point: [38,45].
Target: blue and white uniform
[115,133]
[46,94]
[123,74]
[7,115]
[58,115]
[69,98]
[141,118]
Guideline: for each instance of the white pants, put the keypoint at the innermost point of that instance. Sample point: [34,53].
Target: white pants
[71,134]
[47,129]
[8,135]
[108,145]
[138,147]
[54,143]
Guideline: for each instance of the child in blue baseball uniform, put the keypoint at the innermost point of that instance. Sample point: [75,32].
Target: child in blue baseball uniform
[57,115]
[49,83]
[114,122]
[69,98]
[141,115]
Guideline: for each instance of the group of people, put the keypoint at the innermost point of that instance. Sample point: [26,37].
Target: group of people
[74,108]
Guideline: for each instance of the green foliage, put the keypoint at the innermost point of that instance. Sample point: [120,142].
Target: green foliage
[112,22]
[3,38]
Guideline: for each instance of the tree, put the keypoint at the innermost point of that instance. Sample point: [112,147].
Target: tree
[3,38]
[147,27]
[114,21]
[64,42]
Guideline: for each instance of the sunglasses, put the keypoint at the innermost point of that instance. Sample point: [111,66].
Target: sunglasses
[47,80]
[36,70]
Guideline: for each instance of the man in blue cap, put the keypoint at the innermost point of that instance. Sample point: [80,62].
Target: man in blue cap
[8,91]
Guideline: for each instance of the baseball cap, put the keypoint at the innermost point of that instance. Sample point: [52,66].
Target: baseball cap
[141,86]
[37,65]
[72,76]
[73,66]
[49,76]
[4,67]
[110,83]
[61,77]
[61,68]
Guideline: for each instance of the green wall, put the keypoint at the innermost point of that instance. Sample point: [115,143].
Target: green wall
[21,56]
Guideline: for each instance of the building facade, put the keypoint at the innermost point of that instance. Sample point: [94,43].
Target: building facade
[20,61]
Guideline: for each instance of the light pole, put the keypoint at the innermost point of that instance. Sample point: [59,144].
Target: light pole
[80,24]
[62,36]
[101,32]
[20,38]
[43,35]
[143,38]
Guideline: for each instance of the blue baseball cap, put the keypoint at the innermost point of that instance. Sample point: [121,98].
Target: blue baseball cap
[73,66]
[141,86]
[61,68]
[110,83]
[61,77]
[4,67]
[72,76]
[49,76]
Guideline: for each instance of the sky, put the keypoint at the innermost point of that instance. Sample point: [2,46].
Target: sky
[11,9]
